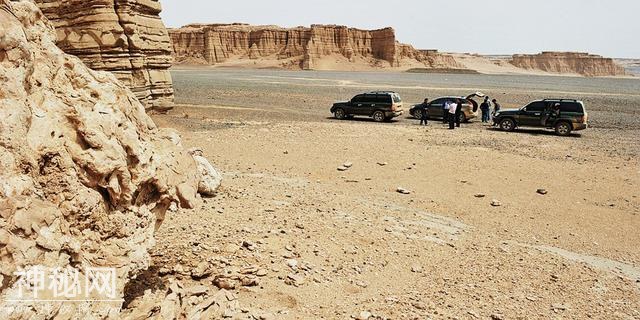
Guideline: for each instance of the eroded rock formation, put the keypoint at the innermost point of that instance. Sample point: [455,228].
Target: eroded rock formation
[85,174]
[125,37]
[217,43]
[569,62]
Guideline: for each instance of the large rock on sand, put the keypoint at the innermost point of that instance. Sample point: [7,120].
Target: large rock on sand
[125,37]
[85,174]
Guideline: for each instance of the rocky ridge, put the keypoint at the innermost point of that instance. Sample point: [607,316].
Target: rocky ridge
[124,37]
[86,177]
[585,64]
[298,48]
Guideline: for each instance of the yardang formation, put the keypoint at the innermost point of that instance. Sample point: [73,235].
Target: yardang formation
[125,37]
[299,48]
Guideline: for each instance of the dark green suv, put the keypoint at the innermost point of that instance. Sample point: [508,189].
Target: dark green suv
[562,115]
[379,105]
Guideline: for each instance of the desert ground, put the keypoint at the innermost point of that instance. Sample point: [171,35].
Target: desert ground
[294,238]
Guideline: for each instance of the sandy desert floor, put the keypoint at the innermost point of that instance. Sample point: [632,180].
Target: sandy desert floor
[326,244]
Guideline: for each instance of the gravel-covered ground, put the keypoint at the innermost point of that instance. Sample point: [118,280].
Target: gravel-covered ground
[295,238]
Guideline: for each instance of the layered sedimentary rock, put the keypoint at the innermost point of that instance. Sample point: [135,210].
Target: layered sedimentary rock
[125,37]
[85,174]
[569,62]
[216,43]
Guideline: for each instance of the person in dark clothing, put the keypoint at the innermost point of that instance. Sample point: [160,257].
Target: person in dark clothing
[551,113]
[496,107]
[458,112]
[485,107]
[424,107]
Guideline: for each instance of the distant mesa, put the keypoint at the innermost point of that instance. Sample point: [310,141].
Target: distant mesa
[333,47]
[582,63]
[319,47]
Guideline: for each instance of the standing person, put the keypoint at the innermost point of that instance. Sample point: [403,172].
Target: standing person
[485,107]
[550,113]
[445,111]
[458,112]
[425,112]
[496,107]
[451,115]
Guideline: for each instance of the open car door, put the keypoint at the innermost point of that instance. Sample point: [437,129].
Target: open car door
[473,95]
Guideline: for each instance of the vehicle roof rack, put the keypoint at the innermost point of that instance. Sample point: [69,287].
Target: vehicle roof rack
[379,92]
[572,100]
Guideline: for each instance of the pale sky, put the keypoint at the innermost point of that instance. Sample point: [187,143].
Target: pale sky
[607,27]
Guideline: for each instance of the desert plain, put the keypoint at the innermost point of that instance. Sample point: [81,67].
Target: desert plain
[293,237]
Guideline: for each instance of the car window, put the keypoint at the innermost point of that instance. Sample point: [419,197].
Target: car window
[537,106]
[358,99]
[370,98]
[571,107]
[396,98]
[384,98]
[438,102]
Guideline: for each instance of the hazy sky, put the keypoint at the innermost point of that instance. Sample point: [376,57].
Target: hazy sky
[607,27]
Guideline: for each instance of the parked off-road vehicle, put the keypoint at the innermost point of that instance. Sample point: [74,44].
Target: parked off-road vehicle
[435,108]
[562,115]
[379,105]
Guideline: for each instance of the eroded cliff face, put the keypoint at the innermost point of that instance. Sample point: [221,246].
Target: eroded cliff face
[85,175]
[570,62]
[125,37]
[301,47]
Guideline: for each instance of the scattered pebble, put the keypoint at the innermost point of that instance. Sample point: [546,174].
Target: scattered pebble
[496,203]
[542,191]
[364,315]
[403,190]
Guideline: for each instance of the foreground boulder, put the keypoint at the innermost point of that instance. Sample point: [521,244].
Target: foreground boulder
[85,174]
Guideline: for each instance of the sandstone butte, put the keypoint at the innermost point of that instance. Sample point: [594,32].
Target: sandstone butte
[585,64]
[86,177]
[300,47]
[311,48]
[126,37]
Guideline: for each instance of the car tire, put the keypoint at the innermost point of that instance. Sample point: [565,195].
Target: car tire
[339,114]
[378,116]
[507,124]
[563,128]
[462,118]
[417,114]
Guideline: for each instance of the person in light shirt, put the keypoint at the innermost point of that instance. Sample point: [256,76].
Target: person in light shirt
[451,113]
[445,111]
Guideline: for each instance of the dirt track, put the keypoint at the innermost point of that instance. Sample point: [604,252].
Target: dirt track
[332,244]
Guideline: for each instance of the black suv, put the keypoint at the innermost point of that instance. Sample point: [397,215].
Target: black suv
[563,115]
[379,105]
